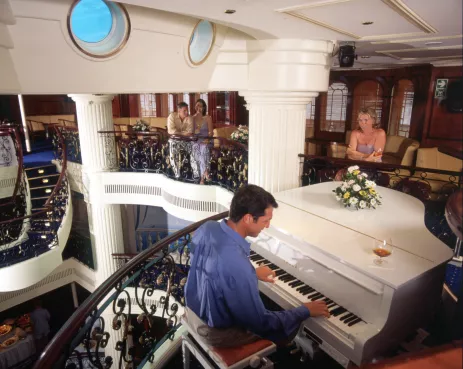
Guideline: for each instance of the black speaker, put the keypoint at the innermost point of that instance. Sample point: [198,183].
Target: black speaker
[347,56]
[454,100]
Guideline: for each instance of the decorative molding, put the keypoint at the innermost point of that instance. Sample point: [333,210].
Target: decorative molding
[400,8]
[417,39]
[392,53]
[311,5]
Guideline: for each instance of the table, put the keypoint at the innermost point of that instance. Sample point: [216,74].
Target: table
[20,351]
[312,214]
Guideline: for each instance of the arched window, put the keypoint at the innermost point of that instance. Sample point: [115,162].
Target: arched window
[310,118]
[148,105]
[401,108]
[367,94]
[333,108]
[170,103]
[98,28]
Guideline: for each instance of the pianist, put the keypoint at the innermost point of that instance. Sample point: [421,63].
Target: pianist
[222,295]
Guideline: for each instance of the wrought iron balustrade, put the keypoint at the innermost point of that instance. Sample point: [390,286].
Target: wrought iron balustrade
[181,158]
[14,206]
[432,186]
[70,136]
[105,314]
[42,226]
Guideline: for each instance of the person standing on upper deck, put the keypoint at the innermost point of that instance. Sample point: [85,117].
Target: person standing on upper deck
[222,293]
[179,122]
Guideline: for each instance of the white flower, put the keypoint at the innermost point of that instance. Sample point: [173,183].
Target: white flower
[370,184]
[359,177]
[364,175]
[338,198]
[362,204]
[356,188]
[351,169]
[351,182]
[373,202]
[353,200]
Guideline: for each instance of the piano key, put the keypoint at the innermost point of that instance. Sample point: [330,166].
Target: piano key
[338,311]
[348,320]
[344,317]
[355,321]
[317,296]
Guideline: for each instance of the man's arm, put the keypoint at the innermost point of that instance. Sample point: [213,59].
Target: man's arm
[171,129]
[241,294]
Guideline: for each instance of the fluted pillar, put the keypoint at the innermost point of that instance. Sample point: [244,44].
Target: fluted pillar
[277,123]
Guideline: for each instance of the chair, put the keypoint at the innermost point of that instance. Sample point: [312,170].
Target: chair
[253,354]
[223,132]
[400,150]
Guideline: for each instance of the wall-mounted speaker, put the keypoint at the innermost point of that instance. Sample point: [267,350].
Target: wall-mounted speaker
[454,100]
[347,56]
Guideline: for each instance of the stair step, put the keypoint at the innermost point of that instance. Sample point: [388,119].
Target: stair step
[41,167]
[38,188]
[44,176]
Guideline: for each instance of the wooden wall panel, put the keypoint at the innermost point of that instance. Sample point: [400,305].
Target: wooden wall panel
[442,128]
[48,105]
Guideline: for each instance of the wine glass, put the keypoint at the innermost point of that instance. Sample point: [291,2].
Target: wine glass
[382,249]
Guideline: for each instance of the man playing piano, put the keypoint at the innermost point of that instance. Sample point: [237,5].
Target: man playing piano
[222,294]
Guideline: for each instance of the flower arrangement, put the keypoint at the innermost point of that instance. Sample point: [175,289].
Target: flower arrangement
[241,135]
[357,190]
[141,126]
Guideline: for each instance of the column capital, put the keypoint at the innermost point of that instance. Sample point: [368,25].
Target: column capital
[91,99]
[288,99]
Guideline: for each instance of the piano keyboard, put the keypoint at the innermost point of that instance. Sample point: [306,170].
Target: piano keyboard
[344,320]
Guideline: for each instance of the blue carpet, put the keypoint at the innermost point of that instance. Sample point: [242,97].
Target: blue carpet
[39,158]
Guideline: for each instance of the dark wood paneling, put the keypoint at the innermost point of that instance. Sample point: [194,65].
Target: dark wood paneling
[442,128]
[129,105]
[116,107]
[48,105]
[9,108]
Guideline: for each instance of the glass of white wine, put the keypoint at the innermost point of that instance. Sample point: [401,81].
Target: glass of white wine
[382,249]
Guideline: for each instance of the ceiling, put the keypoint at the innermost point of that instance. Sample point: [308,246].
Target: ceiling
[402,31]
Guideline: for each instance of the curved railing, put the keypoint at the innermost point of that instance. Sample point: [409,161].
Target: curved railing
[43,235]
[103,321]
[12,132]
[182,158]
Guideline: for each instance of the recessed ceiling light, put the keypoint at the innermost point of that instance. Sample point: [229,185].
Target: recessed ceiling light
[230,11]
[365,57]
[367,23]
[433,43]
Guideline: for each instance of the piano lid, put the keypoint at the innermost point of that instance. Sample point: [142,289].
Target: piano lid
[313,215]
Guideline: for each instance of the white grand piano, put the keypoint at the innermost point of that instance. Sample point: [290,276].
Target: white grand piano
[320,250]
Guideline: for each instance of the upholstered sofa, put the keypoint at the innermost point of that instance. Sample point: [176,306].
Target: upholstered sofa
[400,150]
[223,132]
[433,159]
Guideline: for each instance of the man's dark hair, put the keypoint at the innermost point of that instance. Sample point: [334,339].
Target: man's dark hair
[182,104]
[250,199]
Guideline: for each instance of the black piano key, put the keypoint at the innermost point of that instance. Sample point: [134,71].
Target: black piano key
[263,262]
[312,295]
[327,300]
[347,321]
[279,272]
[296,283]
[355,321]
[273,266]
[256,257]
[338,311]
[346,316]
[316,297]
[287,278]
[307,290]
[301,288]
[331,304]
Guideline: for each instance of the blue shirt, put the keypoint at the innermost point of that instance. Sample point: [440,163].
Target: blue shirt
[222,286]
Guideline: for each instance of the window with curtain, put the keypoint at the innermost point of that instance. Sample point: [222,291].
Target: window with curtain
[367,94]
[401,108]
[333,108]
[148,105]
[170,103]
[203,96]
[186,98]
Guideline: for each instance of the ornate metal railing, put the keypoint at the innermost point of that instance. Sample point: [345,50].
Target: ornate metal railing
[42,227]
[104,317]
[432,186]
[182,158]
[71,139]
[14,206]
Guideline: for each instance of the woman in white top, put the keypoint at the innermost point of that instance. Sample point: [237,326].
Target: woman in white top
[203,127]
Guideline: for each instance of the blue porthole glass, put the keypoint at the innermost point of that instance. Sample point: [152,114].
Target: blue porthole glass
[201,42]
[91,20]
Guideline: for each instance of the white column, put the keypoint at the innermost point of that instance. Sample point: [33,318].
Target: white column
[24,123]
[277,123]
[94,113]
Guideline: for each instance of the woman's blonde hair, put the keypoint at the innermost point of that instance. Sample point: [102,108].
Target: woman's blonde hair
[372,114]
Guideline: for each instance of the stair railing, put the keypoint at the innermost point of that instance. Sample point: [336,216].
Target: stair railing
[106,312]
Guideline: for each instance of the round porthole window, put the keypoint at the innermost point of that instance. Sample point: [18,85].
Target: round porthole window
[201,42]
[98,28]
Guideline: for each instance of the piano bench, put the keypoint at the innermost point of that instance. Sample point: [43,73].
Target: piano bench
[237,357]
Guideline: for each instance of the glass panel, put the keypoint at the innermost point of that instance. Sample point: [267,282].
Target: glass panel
[186,98]
[401,108]
[335,113]
[367,94]
[170,103]
[148,105]
[91,20]
[201,41]
[203,96]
